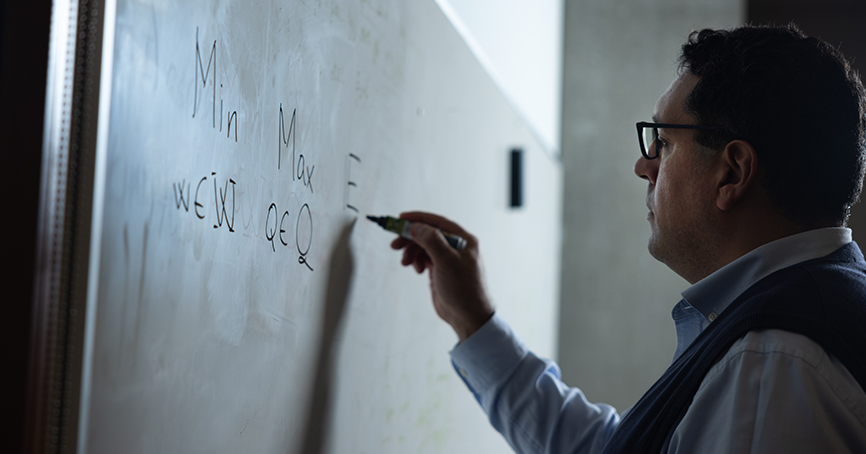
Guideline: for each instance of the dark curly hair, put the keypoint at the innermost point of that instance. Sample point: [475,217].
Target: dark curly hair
[797,101]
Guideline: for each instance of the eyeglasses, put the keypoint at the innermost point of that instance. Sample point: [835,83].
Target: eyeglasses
[648,133]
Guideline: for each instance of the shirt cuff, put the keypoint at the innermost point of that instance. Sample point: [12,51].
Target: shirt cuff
[489,356]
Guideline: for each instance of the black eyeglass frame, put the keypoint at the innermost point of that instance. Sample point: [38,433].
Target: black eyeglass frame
[643,124]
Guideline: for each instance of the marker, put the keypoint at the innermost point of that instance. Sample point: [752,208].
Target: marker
[401,227]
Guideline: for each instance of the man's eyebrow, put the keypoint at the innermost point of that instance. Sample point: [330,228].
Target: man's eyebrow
[656,119]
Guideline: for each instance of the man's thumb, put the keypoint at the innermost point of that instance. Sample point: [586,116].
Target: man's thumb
[430,239]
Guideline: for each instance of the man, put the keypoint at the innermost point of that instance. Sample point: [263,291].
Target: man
[753,159]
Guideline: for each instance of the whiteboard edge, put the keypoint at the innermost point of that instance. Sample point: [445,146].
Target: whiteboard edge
[106,78]
[445,6]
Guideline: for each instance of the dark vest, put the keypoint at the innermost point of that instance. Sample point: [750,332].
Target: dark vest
[823,299]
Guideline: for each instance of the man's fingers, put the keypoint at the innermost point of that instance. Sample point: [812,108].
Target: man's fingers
[433,220]
[415,256]
[428,244]
[432,241]
[439,222]
[400,243]
[410,253]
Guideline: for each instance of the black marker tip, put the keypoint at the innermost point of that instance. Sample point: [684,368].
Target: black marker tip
[378,220]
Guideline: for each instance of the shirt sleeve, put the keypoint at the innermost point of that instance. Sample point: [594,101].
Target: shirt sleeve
[524,397]
[774,391]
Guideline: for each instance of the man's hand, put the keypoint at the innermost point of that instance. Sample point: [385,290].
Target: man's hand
[456,283]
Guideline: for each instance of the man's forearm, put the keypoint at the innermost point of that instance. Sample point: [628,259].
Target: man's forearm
[524,397]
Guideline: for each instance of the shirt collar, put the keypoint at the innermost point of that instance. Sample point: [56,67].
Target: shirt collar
[712,294]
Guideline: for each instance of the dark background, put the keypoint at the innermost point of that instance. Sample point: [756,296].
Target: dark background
[24,35]
[841,23]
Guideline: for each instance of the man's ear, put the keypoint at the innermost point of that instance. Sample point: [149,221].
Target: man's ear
[737,173]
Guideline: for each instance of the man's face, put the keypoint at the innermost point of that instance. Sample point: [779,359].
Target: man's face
[679,194]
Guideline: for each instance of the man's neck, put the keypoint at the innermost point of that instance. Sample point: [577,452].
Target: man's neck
[741,239]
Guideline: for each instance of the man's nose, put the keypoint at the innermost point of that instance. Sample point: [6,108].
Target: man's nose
[646,169]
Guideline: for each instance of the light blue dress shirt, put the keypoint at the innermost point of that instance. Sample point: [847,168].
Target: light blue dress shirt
[774,391]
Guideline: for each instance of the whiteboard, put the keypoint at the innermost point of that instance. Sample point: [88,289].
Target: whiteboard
[244,303]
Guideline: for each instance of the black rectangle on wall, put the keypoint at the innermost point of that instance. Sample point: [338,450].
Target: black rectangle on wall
[516,177]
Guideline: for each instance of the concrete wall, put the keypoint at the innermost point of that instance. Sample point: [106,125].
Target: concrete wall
[616,333]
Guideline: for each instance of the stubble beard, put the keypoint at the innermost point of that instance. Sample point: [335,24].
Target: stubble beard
[681,250]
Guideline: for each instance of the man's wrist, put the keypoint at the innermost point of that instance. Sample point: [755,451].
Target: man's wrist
[488,355]
[473,324]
